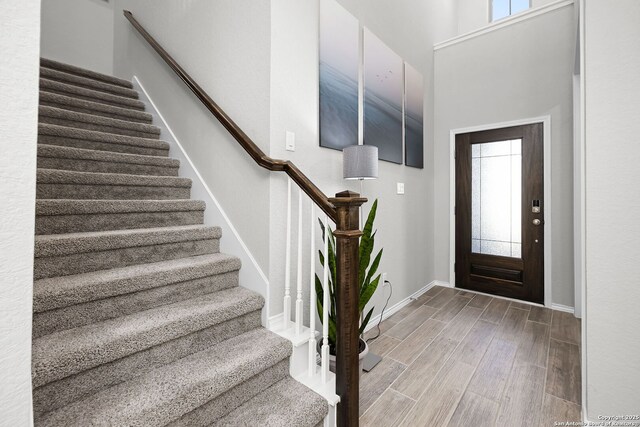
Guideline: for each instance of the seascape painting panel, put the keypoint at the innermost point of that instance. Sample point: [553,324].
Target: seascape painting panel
[413,118]
[339,33]
[383,88]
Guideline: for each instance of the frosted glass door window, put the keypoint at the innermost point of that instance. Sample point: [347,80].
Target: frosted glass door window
[496,195]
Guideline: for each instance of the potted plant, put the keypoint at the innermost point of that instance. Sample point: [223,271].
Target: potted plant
[366,280]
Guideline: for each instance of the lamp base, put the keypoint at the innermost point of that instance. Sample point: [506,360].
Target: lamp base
[370,361]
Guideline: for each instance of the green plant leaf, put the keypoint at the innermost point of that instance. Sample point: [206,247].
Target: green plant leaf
[319,308]
[368,226]
[368,292]
[374,266]
[321,228]
[367,242]
[365,321]
[319,296]
[332,272]
[366,247]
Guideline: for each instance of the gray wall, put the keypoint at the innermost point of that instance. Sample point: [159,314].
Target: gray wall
[225,46]
[19,44]
[79,32]
[612,67]
[404,223]
[516,72]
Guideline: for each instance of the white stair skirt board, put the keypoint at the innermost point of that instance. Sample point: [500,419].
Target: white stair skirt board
[251,275]
[299,368]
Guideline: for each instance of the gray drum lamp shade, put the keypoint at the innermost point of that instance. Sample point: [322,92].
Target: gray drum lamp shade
[360,162]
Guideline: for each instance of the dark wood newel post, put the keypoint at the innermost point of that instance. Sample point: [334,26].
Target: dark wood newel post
[347,235]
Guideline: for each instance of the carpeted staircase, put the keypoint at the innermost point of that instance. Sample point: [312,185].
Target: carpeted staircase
[138,318]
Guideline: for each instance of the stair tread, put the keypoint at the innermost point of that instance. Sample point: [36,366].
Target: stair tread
[94,241]
[71,351]
[59,113]
[55,176]
[166,393]
[50,63]
[68,102]
[81,81]
[57,151]
[96,136]
[47,85]
[56,292]
[286,403]
[90,206]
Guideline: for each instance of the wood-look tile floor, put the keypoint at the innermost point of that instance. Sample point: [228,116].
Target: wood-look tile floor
[455,358]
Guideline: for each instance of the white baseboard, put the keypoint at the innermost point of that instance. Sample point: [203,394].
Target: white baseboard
[390,311]
[560,307]
[251,275]
[443,284]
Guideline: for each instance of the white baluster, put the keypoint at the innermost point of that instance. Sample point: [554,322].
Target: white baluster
[299,270]
[325,305]
[287,262]
[312,297]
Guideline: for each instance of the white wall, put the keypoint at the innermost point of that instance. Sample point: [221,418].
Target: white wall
[516,72]
[404,223]
[225,46]
[79,32]
[475,14]
[20,45]
[612,67]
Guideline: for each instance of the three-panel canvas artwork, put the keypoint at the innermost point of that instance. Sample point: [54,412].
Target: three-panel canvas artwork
[393,91]
[339,65]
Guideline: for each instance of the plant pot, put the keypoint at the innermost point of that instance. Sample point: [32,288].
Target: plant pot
[364,350]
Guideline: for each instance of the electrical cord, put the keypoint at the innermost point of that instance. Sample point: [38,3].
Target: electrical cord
[383,309]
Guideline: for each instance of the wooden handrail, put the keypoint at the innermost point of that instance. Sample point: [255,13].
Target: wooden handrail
[343,211]
[249,146]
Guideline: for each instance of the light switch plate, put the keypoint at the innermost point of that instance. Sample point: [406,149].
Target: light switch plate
[400,188]
[290,144]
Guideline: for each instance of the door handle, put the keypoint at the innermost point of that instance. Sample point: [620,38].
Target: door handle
[537,222]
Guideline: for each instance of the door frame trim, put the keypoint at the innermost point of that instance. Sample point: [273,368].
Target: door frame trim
[546,121]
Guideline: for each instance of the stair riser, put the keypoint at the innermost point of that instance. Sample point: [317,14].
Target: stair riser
[62,392]
[98,127]
[85,262]
[58,224]
[82,165]
[90,95]
[82,72]
[110,192]
[120,114]
[87,83]
[122,305]
[101,146]
[222,405]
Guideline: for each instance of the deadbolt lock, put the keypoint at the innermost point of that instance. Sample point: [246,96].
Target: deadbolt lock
[535,206]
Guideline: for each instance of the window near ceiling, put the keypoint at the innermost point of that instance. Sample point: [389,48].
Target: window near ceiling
[503,8]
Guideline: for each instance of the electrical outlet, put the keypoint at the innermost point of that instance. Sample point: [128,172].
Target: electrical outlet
[400,188]
[384,280]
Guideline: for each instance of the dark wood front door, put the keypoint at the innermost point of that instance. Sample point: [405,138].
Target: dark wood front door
[500,212]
